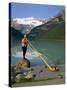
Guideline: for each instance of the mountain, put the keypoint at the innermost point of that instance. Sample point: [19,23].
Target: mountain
[54,28]
[25,24]
[16,36]
[54,31]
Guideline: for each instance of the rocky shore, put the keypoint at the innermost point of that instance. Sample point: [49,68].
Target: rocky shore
[22,72]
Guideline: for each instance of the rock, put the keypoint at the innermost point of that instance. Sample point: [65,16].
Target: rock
[23,78]
[29,75]
[41,71]
[18,78]
[34,75]
[23,63]
[18,70]
[60,76]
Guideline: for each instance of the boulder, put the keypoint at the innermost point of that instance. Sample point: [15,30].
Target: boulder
[23,63]
[18,78]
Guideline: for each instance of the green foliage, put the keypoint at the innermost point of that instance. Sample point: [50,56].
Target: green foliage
[54,31]
[57,32]
[26,80]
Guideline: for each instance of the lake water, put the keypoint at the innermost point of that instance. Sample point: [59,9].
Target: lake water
[54,50]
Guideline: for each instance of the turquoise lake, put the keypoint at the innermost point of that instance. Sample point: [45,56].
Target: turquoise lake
[54,50]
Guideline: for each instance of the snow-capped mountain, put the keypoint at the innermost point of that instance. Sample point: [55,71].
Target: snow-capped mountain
[25,24]
[28,21]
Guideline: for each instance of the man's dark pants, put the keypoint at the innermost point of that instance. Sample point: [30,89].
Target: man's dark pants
[24,51]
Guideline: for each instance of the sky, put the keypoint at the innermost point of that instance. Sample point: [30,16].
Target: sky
[23,10]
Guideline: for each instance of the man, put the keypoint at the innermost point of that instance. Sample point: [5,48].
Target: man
[24,45]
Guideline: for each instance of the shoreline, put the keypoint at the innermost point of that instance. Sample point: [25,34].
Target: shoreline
[44,77]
